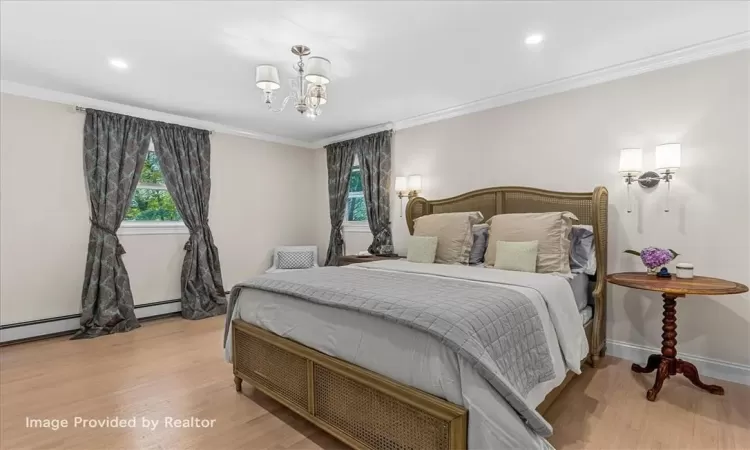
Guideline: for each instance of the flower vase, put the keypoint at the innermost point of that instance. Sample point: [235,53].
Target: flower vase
[653,270]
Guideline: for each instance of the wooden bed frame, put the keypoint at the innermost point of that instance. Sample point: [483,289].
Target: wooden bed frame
[367,410]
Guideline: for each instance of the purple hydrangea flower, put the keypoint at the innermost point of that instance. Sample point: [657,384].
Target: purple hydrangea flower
[653,257]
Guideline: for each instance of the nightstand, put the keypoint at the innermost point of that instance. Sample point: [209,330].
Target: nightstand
[667,364]
[354,259]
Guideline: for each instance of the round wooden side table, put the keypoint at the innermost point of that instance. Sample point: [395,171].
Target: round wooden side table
[667,364]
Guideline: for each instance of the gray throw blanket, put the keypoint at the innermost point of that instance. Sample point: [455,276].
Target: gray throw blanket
[496,329]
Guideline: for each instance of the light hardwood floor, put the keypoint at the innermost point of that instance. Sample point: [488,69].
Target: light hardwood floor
[175,368]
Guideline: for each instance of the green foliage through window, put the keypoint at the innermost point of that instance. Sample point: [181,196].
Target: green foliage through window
[151,201]
[151,173]
[356,211]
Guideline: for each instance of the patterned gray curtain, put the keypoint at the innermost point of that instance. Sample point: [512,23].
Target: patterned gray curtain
[340,158]
[374,153]
[114,149]
[184,157]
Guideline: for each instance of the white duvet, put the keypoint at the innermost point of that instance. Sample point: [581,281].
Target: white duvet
[417,359]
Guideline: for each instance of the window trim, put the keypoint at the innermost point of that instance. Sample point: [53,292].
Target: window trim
[357,227]
[147,227]
[151,227]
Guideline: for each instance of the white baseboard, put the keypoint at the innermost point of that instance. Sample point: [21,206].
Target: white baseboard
[157,309]
[714,368]
[65,324]
[31,329]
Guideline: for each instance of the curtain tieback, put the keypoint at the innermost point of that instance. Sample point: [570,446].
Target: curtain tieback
[383,234]
[198,231]
[120,249]
[338,237]
[338,234]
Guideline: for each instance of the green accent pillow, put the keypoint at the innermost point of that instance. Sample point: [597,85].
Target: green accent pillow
[518,256]
[422,249]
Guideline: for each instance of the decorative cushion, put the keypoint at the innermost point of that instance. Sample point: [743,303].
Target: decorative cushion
[295,260]
[479,246]
[453,231]
[518,256]
[304,250]
[422,249]
[551,230]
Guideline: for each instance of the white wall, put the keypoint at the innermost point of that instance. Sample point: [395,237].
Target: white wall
[260,194]
[261,197]
[571,142]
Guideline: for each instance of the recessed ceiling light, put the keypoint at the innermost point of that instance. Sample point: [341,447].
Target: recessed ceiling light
[118,63]
[534,39]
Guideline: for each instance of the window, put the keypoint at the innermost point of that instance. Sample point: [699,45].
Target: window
[356,212]
[152,210]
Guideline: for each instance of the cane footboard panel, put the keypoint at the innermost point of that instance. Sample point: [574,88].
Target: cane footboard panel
[361,408]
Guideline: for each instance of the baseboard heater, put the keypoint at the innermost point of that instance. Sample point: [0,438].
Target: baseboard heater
[14,333]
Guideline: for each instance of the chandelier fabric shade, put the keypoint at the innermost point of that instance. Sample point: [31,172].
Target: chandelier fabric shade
[318,70]
[267,77]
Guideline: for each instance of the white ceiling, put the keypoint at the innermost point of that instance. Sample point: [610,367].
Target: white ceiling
[391,60]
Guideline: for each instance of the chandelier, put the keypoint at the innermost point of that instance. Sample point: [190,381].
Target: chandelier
[308,88]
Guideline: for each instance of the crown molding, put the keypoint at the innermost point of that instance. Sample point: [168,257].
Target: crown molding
[13,88]
[729,44]
[353,134]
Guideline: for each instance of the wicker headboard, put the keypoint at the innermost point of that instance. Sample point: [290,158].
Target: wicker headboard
[589,207]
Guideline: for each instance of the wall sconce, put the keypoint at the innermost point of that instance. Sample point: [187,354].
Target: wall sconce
[408,187]
[667,162]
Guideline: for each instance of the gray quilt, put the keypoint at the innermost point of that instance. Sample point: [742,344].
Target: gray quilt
[496,329]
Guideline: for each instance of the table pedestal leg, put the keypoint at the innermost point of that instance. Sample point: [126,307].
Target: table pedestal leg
[691,373]
[667,363]
[651,365]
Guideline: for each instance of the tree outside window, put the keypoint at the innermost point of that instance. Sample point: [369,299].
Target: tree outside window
[355,203]
[151,201]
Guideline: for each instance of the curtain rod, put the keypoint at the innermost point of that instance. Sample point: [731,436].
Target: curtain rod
[82,109]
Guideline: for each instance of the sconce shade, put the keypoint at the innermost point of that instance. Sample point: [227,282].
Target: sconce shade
[631,161]
[668,157]
[415,183]
[267,77]
[318,70]
[400,184]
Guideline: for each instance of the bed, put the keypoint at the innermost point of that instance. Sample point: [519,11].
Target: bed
[377,384]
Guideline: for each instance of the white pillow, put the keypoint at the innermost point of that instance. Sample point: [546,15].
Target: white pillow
[422,249]
[518,256]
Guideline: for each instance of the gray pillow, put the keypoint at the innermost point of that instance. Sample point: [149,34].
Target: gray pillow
[480,233]
[295,260]
[581,247]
